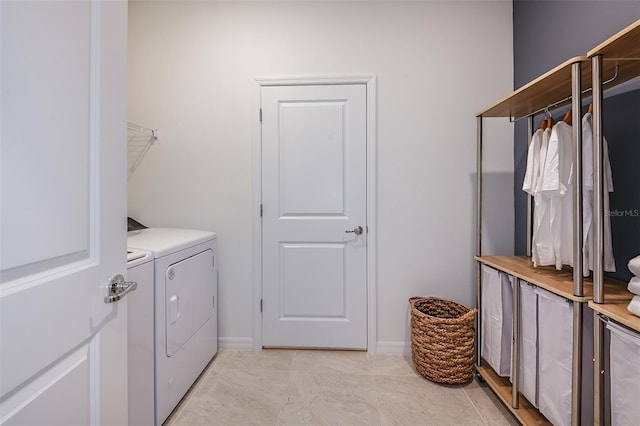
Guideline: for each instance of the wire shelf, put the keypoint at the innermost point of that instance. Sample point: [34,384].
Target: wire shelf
[139,141]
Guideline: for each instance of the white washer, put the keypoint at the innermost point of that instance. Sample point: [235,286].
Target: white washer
[186,323]
[140,338]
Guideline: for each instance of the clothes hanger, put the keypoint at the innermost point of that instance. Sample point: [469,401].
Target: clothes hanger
[544,123]
[550,122]
[567,117]
[590,108]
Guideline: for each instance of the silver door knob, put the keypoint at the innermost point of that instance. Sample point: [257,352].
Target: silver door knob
[357,230]
[118,288]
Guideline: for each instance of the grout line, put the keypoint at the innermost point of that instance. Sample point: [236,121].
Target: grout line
[280,418]
[376,392]
[485,421]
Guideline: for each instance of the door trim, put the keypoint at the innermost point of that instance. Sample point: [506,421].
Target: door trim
[256,153]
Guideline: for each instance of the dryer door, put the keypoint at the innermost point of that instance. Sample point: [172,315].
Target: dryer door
[189,289]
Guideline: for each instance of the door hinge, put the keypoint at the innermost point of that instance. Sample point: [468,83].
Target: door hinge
[261,210]
[260,305]
[261,115]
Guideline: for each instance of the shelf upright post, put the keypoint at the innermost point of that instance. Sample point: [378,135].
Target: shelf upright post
[515,353]
[529,198]
[598,199]
[479,240]
[598,243]
[578,289]
[576,104]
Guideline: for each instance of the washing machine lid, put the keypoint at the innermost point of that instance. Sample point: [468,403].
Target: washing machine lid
[164,241]
[137,257]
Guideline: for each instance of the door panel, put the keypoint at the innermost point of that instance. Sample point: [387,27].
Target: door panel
[39,403]
[313,282]
[62,201]
[314,190]
[42,38]
[312,158]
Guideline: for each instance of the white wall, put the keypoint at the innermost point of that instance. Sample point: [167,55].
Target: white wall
[437,64]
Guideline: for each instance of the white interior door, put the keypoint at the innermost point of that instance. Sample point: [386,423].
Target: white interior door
[314,194]
[63,358]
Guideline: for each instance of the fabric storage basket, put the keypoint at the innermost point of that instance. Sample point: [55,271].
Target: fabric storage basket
[497,320]
[555,358]
[442,339]
[528,378]
[625,375]
[555,350]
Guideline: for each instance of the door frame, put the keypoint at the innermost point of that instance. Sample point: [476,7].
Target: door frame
[369,80]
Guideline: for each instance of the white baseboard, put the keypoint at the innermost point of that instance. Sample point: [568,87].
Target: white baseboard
[240,343]
[393,348]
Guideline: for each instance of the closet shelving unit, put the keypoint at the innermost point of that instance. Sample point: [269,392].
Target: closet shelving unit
[609,63]
[622,49]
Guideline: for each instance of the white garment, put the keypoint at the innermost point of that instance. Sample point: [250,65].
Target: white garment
[530,182]
[634,306]
[533,160]
[587,200]
[634,265]
[543,252]
[634,285]
[557,186]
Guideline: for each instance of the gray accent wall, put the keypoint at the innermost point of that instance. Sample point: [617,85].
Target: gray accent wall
[546,33]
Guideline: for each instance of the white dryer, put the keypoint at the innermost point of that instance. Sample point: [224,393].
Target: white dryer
[186,323]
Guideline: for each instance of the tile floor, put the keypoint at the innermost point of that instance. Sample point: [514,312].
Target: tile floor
[297,387]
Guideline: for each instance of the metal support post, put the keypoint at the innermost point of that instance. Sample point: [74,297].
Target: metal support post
[529,198]
[598,199]
[576,104]
[479,242]
[598,370]
[515,347]
[576,365]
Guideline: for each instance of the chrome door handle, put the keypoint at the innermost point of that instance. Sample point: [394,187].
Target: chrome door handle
[118,288]
[357,230]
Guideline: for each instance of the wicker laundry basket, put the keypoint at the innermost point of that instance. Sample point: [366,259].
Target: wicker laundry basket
[442,339]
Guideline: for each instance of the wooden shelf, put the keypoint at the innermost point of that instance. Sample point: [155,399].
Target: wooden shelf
[622,49]
[552,87]
[526,414]
[547,277]
[544,90]
[624,44]
[617,311]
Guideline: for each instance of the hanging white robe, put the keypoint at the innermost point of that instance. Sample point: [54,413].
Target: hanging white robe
[587,200]
[532,172]
[530,182]
[557,186]
[544,251]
